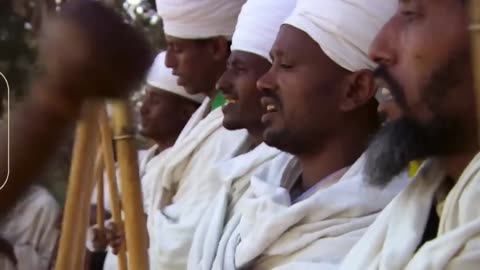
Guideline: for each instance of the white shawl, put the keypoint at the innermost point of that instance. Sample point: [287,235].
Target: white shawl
[235,176]
[31,228]
[186,185]
[271,232]
[391,242]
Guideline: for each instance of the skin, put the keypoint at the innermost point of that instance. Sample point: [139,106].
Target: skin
[238,85]
[421,38]
[197,63]
[163,116]
[316,110]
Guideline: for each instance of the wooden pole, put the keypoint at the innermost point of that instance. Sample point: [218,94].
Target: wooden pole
[70,244]
[106,136]
[474,9]
[100,210]
[135,225]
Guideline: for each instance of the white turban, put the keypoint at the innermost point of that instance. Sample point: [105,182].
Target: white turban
[197,19]
[344,29]
[162,79]
[258,25]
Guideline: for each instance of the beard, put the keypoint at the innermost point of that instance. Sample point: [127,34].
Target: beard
[406,139]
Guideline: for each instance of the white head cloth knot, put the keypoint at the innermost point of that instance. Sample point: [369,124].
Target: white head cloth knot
[197,19]
[258,25]
[162,79]
[344,29]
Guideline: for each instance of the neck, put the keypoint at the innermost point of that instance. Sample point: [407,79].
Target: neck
[164,144]
[212,93]
[256,135]
[335,154]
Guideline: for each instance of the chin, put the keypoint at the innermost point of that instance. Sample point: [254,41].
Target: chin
[231,124]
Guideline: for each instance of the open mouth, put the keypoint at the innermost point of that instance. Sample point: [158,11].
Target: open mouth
[269,105]
[230,101]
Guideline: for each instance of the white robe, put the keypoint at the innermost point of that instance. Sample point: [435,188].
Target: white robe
[270,232]
[391,242]
[32,229]
[235,175]
[186,186]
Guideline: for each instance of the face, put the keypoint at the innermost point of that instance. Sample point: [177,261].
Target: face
[197,63]
[163,114]
[300,93]
[423,52]
[239,87]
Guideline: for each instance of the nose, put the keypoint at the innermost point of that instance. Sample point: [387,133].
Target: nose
[383,49]
[170,59]
[267,81]
[224,83]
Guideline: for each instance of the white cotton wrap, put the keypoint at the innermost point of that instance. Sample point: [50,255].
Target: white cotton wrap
[258,25]
[344,29]
[196,19]
[162,79]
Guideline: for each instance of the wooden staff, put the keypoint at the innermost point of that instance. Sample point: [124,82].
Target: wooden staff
[70,245]
[135,225]
[100,210]
[474,9]
[106,138]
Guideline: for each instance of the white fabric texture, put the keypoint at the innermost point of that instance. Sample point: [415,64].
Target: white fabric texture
[197,19]
[344,29]
[270,232]
[258,25]
[162,79]
[391,242]
[32,229]
[185,187]
[235,176]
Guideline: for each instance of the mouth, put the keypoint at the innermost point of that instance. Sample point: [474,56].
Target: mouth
[229,100]
[269,105]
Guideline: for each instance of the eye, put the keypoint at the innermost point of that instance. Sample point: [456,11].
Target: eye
[285,66]
[409,16]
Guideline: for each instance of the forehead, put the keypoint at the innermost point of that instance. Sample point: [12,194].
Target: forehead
[293,41]
[177,40]
[245,57]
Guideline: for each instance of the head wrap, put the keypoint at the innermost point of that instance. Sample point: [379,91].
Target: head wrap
[162,79]
[344,29]
[258,25]
[198,19]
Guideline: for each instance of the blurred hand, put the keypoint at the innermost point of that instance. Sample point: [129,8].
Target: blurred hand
[99,240]
[115,236]
[87,51]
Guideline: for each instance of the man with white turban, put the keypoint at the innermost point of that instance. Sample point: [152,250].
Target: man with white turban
[165,110]
[306,210]
[248,61]
[425,60]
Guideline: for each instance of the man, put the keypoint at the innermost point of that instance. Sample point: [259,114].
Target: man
[30,228]
[165,110]
[424,57]
[79,63]
[312,207]
[249,60]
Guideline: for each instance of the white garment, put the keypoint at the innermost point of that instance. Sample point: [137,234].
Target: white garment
[161,77]
[258,25]
[197,116]
[32,229]
[186,186]
[344,29]
[270,232]
[235,176]
[195,19]
[391,242]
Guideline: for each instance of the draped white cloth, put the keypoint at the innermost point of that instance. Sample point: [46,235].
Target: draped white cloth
[269,232]
[391,242]
[161,77]
[195,19]
[186,184]
[344,29]
[235,176]
[258,25]
[32,229]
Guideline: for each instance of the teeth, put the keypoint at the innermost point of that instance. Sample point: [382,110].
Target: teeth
[271,108]
[230,101]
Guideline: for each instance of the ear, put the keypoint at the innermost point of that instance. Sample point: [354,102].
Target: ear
[358,91]
[220,48]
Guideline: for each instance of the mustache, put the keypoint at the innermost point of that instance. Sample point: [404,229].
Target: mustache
[382,73]
[272,95]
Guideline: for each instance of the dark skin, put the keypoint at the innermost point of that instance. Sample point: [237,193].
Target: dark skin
[316,110]
[238,85]
[421,37]
[163,116]
[197,63]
